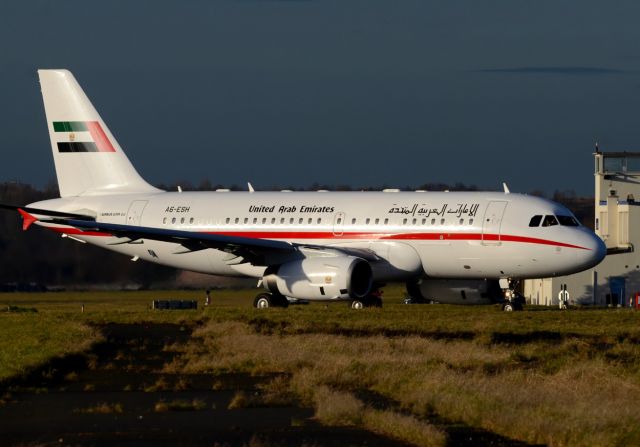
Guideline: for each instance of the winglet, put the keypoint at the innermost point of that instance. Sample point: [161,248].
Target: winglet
[250,187]
[27,219]
[506,188]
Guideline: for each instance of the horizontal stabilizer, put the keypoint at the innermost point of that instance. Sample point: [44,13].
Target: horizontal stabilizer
[27,219]
[47,213]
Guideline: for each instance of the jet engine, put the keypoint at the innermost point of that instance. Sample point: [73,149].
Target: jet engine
[320,278]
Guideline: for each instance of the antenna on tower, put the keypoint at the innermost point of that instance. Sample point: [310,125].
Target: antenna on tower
[597,148]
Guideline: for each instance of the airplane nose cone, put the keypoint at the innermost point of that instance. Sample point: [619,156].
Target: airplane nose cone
[596,252]
[600,250]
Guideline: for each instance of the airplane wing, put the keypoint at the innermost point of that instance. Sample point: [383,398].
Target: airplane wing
[255,251]
[249,249]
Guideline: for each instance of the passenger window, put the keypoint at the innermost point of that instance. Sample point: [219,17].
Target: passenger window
[300,221]
[255,220]
[291,221]
[182,220]
[164,221]
[191,220]
[246,220]
[549,221]
[461,221]
[568,221]
[367,221]
[414,221]
[404,221]
[237,220]
[282,220]
[377,221]
[386,221]
[353,221]
[470,221]
[433,221]
[535,220]
[173,220]
[441,221]
[339,220]
[319,220]
[424,221]
[264,220]
[227,221]
[273,220]
[310,221]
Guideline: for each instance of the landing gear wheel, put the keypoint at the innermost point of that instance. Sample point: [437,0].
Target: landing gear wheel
[367,301]
[266,300]
[263,301]
[357,304]
[508,307]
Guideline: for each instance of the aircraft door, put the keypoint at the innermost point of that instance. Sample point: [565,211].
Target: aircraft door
[338,224]
[134,215]
[492,222]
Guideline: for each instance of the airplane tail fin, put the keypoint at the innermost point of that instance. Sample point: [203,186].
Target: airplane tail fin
[88,159]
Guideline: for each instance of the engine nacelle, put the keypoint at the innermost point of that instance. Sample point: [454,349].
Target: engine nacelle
[455,291]
[321,278]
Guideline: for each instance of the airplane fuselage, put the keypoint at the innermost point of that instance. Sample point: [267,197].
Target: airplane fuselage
[464,235]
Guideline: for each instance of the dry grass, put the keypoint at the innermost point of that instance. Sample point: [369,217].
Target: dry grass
[404,427]
[102,408]
[239,400]
[161,384]
[275,393]
[71,377]
[539,376]
[179,405]
[339,408]
[564,392]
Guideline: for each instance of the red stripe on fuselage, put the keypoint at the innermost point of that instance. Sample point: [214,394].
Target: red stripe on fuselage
[327,235]
[288,235]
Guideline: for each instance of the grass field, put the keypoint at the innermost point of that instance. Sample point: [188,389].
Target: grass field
[407,372]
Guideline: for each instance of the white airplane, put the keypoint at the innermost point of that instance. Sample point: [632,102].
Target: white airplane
[302,245]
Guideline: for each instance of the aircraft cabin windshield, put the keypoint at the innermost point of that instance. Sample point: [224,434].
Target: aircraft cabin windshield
[551,220]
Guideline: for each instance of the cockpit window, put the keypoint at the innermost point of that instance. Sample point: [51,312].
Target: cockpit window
[535,220]
[568,221]
[549,221]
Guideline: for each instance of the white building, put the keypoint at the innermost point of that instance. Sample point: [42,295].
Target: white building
[617,221]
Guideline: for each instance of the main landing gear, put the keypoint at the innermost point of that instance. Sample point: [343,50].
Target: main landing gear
[265,300]
[513,301]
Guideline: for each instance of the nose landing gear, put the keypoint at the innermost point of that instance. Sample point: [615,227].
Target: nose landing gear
[513,301]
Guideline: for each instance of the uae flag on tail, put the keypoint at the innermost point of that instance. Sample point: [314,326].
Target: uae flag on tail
[81,136]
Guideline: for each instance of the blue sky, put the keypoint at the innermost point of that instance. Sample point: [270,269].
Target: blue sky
[291,92]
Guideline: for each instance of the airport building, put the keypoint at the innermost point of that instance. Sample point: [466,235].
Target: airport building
[616,280]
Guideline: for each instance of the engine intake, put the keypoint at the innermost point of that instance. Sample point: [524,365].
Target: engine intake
[321,278]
